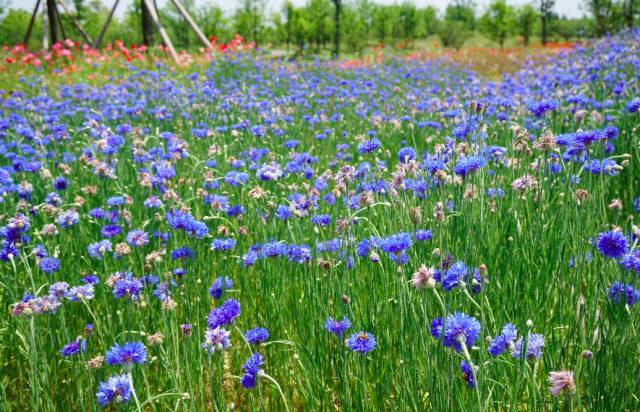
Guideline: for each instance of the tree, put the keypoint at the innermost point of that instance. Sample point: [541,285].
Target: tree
[463,11]
[429,19]
[407,21]
[629,10]
[382,21]
[546,7]
[248,20]
[601,11]
[319,12]
[498,22]
[526,20]
[211,20]
[453,34]
[13,26]
[337,14]
[355,36]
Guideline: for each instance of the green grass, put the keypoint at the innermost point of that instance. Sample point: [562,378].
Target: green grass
[525,240]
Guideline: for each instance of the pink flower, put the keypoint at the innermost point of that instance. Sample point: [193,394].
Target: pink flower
[561,382]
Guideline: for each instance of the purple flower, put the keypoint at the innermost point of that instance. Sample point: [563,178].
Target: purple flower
[99,249]
[435,328]
[251,369]
[220,244]
[535,342]
[337,327]
[116,389]
[127,287]
[216,340]
[369,146]
[468,164]
[613,244]
[503,341]
[622,293]
[220,285]
[137,238]
[460,328]
[396,243]
[111,230]
[74,347]
[257,335]
[225,314]
[406,154]
[468,374]
[49,265]
[362,342]
[127,354]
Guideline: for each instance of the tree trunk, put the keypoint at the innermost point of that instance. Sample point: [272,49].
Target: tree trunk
[51,16]
[544,30]
[148,35]
[336,35]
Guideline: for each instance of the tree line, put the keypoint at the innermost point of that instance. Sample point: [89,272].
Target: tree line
[322,26]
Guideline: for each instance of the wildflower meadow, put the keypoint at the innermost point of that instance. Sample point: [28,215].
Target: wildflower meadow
[249,233]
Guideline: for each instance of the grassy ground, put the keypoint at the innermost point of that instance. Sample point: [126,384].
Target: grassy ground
[154,130]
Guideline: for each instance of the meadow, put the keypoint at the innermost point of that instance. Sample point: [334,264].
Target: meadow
[241,232]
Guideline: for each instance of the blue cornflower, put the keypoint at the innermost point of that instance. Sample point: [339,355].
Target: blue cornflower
[321,220]
[283,212]
[467,374]
[454,276]
[111,230]
[613,244]
[503,341]
[153,202]
[369,146]
[216,340]
[406,154]
[459,328]
[220,285]
[117,389]
[137,238]
[539,109]
[81,292]
[90,279]
[257,335]
[468,164]
[68,218]
[269,172]
[600,167]
[337,327]
[423,235]
[396,243]
[622,293]
[631,261]
[74,347]
[220,244]
[49,265]
[130,287]
[251,369]
[224,315]
[633,105]
[436,327]
[535,342]
[115,201]
[127,354]
[182,253]
[99,249]
[58,290]
[60,183]
[362,342]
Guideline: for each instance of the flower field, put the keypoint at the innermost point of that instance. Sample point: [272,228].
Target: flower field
[245,233]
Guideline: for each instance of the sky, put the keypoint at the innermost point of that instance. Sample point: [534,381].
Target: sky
[568,8]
